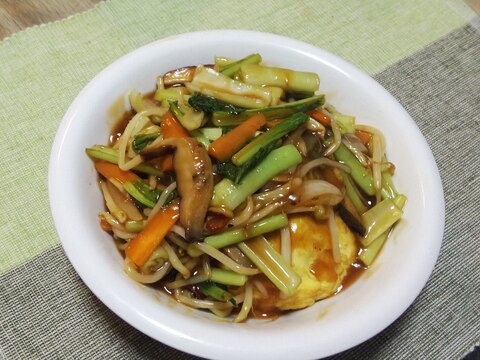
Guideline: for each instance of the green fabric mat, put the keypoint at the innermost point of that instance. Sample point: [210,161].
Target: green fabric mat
[43,68]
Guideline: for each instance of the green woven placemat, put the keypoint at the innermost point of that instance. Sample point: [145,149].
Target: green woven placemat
[43,68]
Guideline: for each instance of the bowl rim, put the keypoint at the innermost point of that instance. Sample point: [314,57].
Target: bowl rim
[168,333]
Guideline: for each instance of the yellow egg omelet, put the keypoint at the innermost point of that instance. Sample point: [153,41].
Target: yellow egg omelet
[312,260]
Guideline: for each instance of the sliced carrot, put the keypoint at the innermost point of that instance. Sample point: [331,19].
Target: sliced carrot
[171,128]
[112,171]
[363,136]
[225,146]
[146,241]
[320,116]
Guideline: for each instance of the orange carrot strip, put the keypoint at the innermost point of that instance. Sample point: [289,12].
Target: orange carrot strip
[171,127]
[108,171]
[364,136]
[320,116]
[225,146]
[146,241]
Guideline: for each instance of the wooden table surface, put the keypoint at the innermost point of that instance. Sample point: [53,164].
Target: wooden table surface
[16,15]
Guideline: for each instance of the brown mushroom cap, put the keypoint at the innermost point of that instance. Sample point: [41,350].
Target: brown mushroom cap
[193,170]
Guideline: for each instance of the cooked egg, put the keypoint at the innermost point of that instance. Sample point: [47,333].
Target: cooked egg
[312,259]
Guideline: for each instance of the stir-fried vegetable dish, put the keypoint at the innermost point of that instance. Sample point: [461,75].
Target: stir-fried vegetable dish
[237,188]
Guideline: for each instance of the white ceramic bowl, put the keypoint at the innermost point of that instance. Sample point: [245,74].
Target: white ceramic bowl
[330,326]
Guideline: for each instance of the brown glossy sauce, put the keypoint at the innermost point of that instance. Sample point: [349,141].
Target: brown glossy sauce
[353,274]
[264,308]
[119,127]
[121,123]
[258,312]
[324,268]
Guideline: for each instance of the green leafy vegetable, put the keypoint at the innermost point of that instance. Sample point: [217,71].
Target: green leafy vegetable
[209,104]
[134,226]
[102,152]
[142,140]
[370,252]
[235,236]
[379,219]
[362,176]
[175,109]
[236,173]
[211,133]
[388,187]
[144,195]
[272,264]
[354,194]
[275,133]
[346,123]
[171,94]
[224,118]
[201,138]
[233,67]
[190,118]
[216,291]
[228,170]
[359,173]
[227,277]
[298,95]
[286,79]
[228,194]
